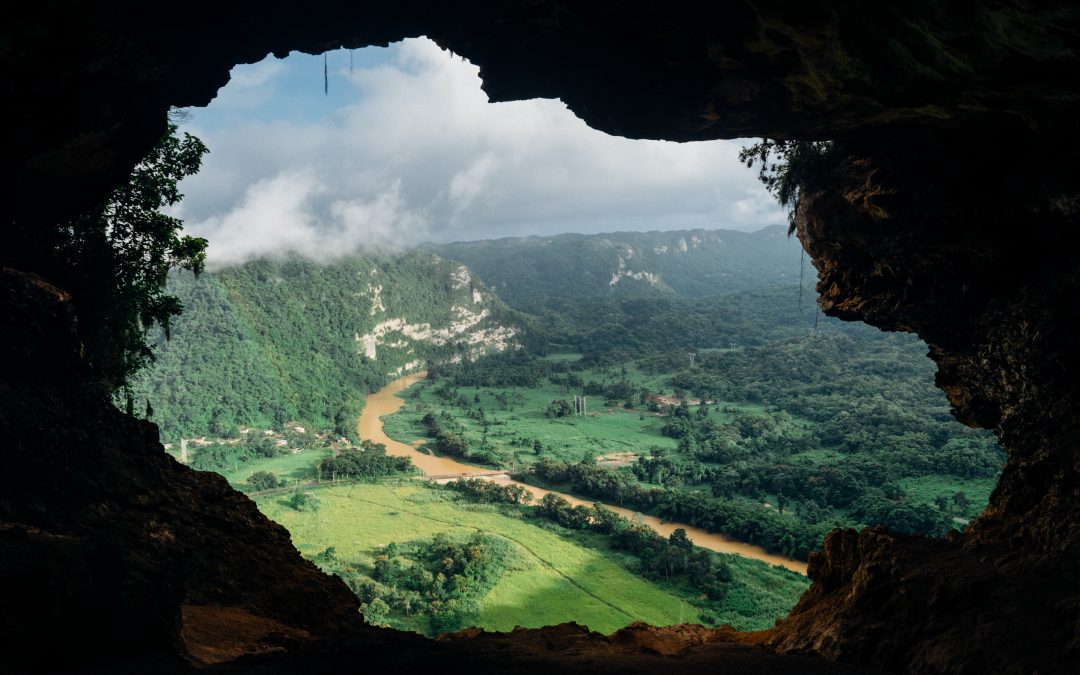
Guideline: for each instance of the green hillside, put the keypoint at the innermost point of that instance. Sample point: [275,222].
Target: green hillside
[530,272]
[273,341]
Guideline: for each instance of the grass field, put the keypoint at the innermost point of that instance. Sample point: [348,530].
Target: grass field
[562,580]
[759,593]
[300,466]
[514,428]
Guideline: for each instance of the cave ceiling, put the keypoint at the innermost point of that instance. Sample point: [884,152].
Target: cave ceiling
[88,84]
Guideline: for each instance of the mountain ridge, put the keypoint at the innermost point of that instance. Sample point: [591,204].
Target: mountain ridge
[682,263]
[272,341]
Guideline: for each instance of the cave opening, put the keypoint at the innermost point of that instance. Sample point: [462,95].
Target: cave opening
[298,181]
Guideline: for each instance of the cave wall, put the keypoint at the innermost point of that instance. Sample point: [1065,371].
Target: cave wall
[105,540]
[969,238]
[953,214]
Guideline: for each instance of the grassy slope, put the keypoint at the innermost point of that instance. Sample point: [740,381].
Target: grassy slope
[570,575]
[564,582]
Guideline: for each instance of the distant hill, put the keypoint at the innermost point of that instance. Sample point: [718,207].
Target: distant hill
[268,342]
[272,341]
[531,272]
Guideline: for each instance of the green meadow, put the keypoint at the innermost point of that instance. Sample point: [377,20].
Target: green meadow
[291,467]
[559,575]
[557,580]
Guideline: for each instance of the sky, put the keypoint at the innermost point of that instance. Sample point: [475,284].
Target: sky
[404,148]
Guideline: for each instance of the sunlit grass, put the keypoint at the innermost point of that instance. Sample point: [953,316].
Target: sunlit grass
[564,581]
[290,467]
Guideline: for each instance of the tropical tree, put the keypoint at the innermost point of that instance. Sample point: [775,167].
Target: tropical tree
[114,260]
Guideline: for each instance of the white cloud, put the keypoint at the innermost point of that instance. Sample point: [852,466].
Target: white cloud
[419,154]
[255,75]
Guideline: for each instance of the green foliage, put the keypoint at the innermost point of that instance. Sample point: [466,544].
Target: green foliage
[803,426]
[270,342]
[442,577]
[262,480]
[741,521]
[788,168]
[488,492]
[365,462]
[230,455]
[115,260]
[302,501]
[558,408]
[550,276]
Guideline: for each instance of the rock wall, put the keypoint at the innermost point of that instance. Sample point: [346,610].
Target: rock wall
[977,253]
[104,537]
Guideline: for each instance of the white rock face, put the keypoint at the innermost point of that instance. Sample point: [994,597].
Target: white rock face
[407,368]
[682,245]
[476,297]
[460,277]
[463,328]
[661,249]
[623,273]
[369,344]
[376,299]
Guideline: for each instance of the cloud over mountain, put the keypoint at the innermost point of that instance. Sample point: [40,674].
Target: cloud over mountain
[409,149]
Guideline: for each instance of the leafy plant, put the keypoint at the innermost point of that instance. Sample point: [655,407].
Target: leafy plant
[302,501]
[785,168]
[262,480]
[115,260]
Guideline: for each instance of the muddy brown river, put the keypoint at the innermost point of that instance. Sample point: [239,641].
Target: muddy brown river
[386,402]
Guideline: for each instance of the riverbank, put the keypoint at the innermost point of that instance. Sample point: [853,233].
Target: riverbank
[387,402]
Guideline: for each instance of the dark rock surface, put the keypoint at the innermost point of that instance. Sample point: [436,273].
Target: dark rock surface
[982,263]
[104,536]
[954,214]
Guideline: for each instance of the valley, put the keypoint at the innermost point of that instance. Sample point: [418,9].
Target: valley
[561,575]
[693,442]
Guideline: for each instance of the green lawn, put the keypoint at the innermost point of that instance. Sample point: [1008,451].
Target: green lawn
[563,580]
